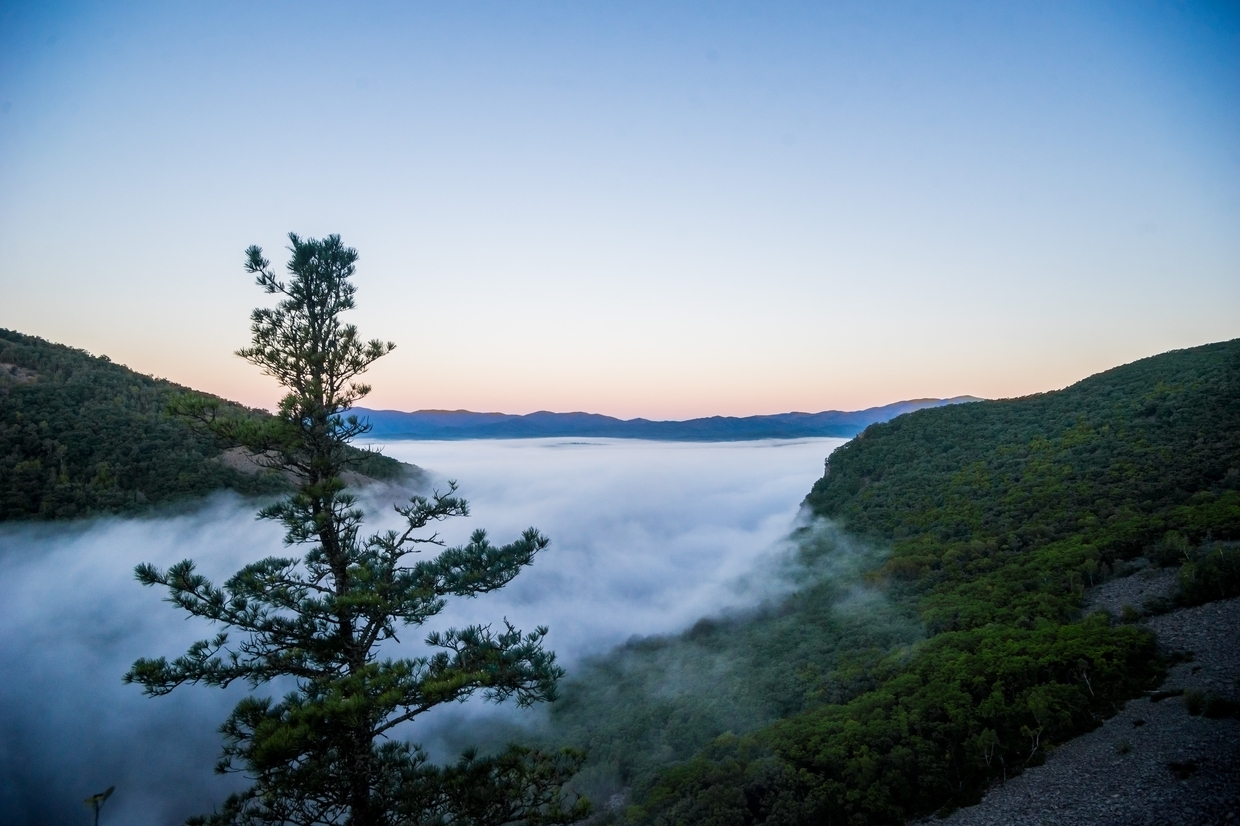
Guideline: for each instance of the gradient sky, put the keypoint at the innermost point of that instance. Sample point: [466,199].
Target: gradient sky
[665,210]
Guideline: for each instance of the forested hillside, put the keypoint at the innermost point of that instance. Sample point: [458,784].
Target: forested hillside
[80,435]
[938,645]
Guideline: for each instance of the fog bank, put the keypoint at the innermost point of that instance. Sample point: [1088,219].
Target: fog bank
[646,538]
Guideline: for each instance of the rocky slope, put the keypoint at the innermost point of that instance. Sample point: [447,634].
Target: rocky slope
[1155,761]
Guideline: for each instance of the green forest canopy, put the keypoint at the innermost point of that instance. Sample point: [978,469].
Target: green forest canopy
[937,642]
[80,435]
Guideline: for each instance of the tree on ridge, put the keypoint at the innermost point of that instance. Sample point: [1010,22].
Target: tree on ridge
[328,752]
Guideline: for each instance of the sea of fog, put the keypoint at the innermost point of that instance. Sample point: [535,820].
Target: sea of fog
[646,538]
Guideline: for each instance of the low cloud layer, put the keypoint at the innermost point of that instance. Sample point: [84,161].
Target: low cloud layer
[646,539]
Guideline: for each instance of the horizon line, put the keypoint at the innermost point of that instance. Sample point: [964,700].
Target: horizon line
[961,398]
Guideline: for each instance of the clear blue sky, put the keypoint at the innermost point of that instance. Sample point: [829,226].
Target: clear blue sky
[647,209]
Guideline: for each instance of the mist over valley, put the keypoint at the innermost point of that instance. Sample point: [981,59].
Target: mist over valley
[728,640]
[864,431]
[647,538]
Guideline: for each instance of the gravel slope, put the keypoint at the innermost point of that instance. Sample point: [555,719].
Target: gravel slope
[1153,762]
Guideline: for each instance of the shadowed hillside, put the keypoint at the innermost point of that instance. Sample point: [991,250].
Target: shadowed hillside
[80,435]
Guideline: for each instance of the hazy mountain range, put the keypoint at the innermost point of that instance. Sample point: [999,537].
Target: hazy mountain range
[465,424]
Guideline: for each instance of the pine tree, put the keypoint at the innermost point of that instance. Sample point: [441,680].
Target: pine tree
[328,752]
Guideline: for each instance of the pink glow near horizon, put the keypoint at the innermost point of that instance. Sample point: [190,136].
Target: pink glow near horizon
[637,210]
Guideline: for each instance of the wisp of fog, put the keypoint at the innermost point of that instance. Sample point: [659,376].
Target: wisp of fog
[647,537]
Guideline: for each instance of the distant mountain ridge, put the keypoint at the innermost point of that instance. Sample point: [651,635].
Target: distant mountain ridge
[465,424]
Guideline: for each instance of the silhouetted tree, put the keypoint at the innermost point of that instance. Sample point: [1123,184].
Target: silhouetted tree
[329,752]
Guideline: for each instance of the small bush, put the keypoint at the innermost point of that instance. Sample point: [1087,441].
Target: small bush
[1129,614]
[1195,702]
[1217,707]
[1156,605]
[1172,550]
[1183,770]
[1123,746]
[1210,572]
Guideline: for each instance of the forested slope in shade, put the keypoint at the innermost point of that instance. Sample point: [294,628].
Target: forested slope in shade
[80,435]
[986,522]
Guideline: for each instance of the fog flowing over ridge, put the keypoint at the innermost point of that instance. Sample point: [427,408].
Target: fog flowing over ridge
[646,538]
